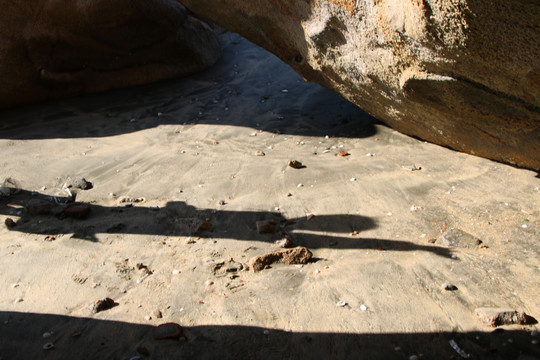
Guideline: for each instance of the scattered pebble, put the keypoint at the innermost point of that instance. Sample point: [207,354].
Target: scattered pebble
[363,307]
[411,167]
[176,272]
[46,335]
[15,285]
[342,303]
[413,357]
[18,300]
[168,331]
[157,314]
[265,227]
[103,304]
[10,223]
[266,332]
[48,346]
[285,243]
[352,179]
[309,216]
[284,91]
[221,202]
[342,153]
[317,271]
[299,185]
[449,287]
[253,134]
[208,283]
[260,153]
[296,164]
[370,155]
[416,208]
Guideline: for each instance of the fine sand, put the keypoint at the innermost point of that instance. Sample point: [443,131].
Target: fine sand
[192,149]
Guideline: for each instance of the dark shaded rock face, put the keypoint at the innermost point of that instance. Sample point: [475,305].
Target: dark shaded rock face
[58,48]
[460,73]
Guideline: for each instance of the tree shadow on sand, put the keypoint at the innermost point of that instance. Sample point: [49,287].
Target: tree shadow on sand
[87,338]
[48,215]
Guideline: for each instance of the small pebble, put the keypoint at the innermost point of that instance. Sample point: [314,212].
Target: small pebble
[449,287]
[342,303]
[18,300]
[534,342]
[176,272]
[46,335]
[299,185]
[284,91]
[48,346]
[363,307]
[353,179]
[208,283]
[221,202]
[15,285]
[413,357]
[534,333]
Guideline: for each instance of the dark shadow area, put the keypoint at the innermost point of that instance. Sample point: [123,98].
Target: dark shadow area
[86,338]
[248,87]
[46,215]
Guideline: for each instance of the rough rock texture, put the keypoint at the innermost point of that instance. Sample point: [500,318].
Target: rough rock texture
[58,48]
[497,317]
[458,238]
[461,73]
[297,255]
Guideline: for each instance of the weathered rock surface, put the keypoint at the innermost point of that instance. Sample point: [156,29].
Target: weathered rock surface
[496,317]
[458,238]
[297,255]
[58,48]
[460,73]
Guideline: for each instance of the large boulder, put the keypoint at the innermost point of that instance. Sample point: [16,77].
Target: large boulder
[58,48]
[460,73]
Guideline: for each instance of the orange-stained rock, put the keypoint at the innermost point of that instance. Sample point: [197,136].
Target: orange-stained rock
[460,73]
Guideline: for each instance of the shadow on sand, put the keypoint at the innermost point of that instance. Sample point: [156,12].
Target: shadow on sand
[248,87]
[86,338]
[180,219]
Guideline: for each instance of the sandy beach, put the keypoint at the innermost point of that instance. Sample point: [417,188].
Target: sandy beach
[214,148]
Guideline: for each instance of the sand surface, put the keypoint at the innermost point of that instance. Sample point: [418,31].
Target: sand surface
[192,149]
